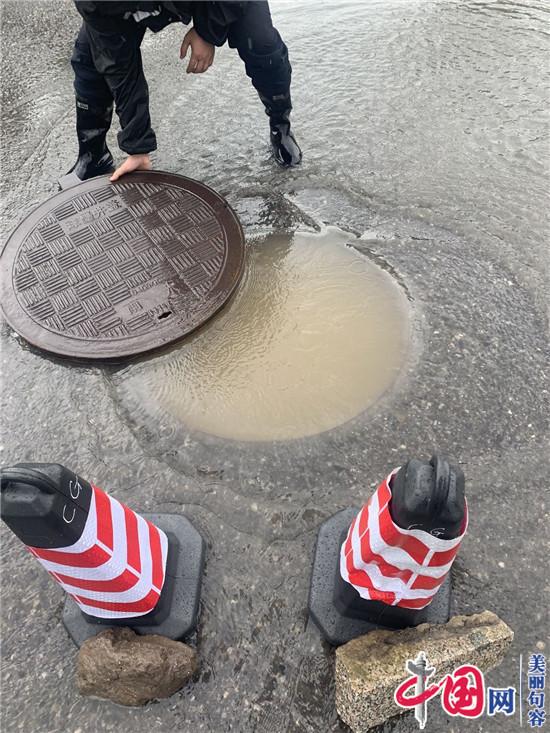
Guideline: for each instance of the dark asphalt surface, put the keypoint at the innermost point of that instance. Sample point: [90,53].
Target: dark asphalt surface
[433,150]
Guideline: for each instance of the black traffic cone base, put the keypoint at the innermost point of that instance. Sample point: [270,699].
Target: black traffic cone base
[337,608]
[176,613]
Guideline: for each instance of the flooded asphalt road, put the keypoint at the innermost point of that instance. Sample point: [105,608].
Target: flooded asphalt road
[425,134]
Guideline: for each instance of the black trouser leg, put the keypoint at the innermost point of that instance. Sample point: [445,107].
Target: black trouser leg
[265,56]
[266,62]
[89,84]
[94,112]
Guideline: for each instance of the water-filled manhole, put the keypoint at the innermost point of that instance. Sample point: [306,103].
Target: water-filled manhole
[315,334]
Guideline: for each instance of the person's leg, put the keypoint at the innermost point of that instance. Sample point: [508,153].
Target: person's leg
[266,61]
[94,111]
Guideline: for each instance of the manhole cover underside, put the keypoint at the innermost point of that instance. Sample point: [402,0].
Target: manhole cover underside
[109,270]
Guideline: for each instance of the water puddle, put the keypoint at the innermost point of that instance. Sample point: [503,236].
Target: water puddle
[315,334]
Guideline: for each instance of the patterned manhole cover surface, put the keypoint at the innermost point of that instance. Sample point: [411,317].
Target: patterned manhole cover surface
[108,270]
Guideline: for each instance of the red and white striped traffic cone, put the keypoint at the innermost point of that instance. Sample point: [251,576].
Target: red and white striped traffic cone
[390,566]
[116,569]
[388,563]
[117,566]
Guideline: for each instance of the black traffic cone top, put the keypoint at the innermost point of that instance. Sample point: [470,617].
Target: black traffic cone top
[44,504]
[429,497]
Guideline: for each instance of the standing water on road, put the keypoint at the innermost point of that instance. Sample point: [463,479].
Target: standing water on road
[314,335]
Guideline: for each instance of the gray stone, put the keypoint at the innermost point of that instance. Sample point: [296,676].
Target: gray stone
[129,669]
[369,668]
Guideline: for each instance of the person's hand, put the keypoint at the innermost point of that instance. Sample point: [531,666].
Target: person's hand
[202,52]
[140,162]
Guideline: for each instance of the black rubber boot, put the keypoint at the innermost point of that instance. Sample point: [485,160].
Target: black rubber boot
[285,148]
[94,157]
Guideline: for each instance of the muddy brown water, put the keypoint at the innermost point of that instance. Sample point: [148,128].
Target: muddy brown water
[314,335]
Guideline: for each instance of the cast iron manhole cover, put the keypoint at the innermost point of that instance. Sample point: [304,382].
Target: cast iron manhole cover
[108,270]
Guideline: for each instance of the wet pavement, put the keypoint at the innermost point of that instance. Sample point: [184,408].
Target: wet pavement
[424,131]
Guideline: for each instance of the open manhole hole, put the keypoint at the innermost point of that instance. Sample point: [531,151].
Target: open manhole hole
[315,334]
[109,270]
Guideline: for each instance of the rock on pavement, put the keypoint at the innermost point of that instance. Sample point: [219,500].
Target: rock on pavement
[369,668]
[129,669]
